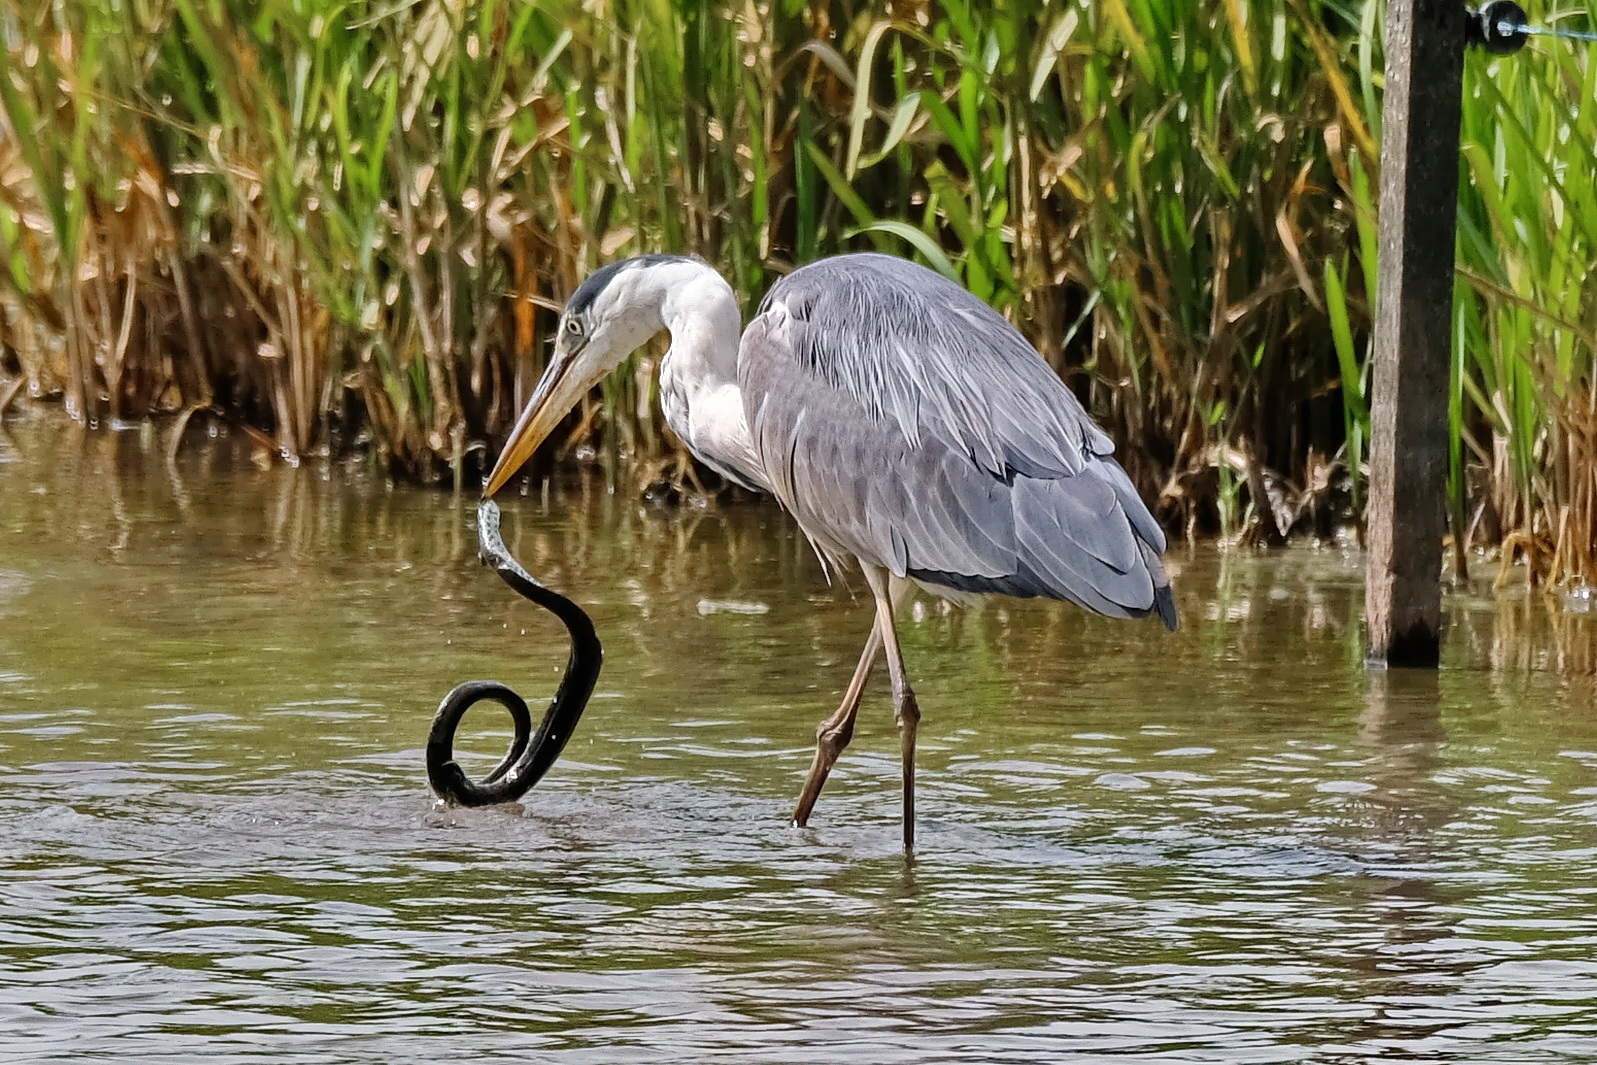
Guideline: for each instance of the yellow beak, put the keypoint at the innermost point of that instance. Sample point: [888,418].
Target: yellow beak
[558,391]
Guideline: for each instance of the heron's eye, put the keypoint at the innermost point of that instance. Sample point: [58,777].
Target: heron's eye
[573,327]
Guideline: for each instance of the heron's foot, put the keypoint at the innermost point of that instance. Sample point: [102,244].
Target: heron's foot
[830,738]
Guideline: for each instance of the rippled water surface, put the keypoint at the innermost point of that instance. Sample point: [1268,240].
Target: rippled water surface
[1230,844]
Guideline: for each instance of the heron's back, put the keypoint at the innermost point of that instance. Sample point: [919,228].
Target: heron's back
[905,422]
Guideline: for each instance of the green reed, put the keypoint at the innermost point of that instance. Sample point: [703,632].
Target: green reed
[1528,314]
[343,226]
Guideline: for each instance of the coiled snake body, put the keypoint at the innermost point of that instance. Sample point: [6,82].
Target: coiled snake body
[530,754]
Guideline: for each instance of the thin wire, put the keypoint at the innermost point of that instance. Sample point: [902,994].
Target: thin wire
[1508,29]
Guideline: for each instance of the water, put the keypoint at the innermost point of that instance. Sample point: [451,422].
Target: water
[1230,844]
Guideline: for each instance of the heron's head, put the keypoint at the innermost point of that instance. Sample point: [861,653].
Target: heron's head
[609,316]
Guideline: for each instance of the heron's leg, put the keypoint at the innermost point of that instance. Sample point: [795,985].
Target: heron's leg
[835,732]
[905,709]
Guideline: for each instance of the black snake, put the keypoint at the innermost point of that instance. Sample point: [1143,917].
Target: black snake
[530,754]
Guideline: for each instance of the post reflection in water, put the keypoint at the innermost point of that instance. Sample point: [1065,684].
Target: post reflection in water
[1228,844]
[1401,725]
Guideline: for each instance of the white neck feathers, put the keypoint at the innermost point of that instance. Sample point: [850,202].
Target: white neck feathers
[701,311]
[698,377]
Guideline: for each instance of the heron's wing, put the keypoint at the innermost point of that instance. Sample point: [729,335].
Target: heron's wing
[904,421]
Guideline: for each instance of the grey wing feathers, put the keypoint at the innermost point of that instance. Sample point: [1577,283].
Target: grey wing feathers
[912,345]
[904,421]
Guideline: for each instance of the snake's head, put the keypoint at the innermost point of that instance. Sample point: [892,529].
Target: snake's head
[487,530]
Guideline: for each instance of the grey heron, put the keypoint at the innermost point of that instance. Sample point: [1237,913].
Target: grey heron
[910,430]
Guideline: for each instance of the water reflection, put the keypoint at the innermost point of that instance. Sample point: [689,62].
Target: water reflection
[1401,725]
[1226,844]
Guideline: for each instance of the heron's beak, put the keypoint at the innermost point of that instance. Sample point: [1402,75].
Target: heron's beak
[562,385]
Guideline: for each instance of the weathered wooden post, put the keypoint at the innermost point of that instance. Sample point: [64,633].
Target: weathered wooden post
[1425,41]
[1413,328]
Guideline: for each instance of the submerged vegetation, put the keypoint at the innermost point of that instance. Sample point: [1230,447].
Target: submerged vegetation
[342,227]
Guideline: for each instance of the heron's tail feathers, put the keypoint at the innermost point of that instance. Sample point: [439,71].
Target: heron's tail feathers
[1164,600]
[1087,540]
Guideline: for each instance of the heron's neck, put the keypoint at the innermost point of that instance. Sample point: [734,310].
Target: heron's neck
[699,392]
[701,311]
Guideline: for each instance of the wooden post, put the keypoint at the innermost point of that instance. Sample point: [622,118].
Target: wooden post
[1413,330]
